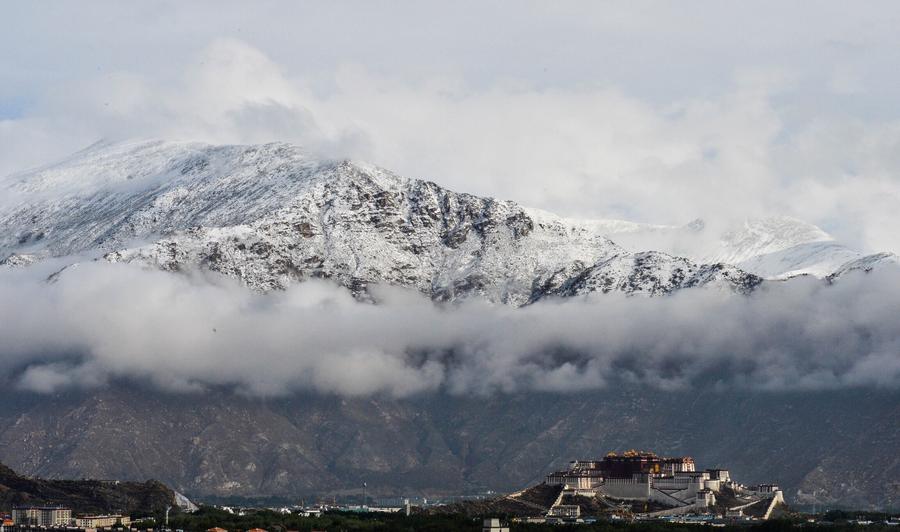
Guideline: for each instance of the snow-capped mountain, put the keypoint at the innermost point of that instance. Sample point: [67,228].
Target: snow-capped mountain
[782,247]
[778,247]
[270,215]
[648,272]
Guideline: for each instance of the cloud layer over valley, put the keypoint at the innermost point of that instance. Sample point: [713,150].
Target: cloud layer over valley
[100,322]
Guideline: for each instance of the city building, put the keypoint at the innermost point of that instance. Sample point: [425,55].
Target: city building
[765,488]
[566,511]
[494,525]
[46,516]
[102,521]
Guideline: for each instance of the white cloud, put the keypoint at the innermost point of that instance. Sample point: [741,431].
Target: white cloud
[101,322]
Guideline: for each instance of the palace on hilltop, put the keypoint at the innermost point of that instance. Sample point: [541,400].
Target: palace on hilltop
[644,476]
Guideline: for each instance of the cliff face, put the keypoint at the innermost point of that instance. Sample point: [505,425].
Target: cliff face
[221,445]
[88,496]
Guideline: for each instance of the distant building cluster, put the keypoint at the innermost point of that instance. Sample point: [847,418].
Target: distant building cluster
[61,517]
[644,476]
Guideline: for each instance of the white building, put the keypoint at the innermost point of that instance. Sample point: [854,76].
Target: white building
[102,521]
[46,516]
[494,525]
[565,511]
[765,488]
[721,475]
[678,465]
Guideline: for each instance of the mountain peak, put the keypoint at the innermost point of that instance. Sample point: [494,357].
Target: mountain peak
[273,214]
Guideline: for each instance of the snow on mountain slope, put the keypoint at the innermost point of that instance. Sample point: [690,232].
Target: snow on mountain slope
[866,264]
[809,258]
[780,247]
[111,195]
[360,225]
[271,215]
[776,247]
[767,235]
[650,273]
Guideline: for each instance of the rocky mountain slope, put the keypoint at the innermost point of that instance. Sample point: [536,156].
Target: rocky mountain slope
[841,443]
[88,496]
[270,216]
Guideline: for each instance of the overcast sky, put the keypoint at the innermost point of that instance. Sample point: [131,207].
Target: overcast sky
[651,111]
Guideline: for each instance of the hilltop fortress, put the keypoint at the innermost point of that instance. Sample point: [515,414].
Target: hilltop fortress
[674,483]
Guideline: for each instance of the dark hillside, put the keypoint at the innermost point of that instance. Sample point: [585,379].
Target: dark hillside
[88,496]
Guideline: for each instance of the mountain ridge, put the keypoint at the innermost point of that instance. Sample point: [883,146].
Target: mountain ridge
[271,215]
